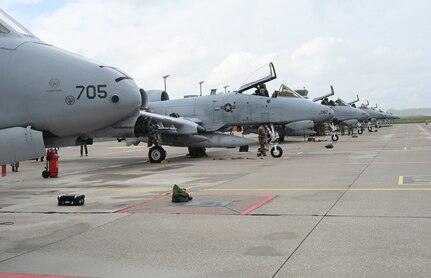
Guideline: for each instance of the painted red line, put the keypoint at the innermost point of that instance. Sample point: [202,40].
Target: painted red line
[18,275]
[425,129]
[261,203]
[140,205]
[171,212]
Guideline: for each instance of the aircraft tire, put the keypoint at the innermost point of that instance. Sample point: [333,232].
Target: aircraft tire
[45,174]
[370,129]
[360,131]
[276,151]
[334,137]
[156,154]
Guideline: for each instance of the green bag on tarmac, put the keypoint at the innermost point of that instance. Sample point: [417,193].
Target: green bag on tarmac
[180,195]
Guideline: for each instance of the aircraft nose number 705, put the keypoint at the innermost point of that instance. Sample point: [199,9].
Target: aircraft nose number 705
[92,91]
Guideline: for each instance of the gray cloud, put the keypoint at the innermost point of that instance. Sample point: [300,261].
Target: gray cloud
[378,49]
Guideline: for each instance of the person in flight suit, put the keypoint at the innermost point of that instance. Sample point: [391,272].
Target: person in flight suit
[261,131]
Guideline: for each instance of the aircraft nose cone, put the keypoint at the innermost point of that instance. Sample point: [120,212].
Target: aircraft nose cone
[123,93]
[328,113]
[364,116]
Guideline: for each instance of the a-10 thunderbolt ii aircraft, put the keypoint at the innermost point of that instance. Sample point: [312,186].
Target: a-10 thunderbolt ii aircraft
[297,128]
[376,117]
[52,98]
[344,113]
[219,112]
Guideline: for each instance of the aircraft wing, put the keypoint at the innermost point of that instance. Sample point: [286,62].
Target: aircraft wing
[171,125]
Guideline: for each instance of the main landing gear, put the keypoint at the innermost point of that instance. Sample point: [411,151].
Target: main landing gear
[156,154]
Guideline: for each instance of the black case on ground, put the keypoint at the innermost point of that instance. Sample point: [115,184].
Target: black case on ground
[71,199]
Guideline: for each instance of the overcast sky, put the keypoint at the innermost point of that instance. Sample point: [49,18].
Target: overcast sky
[378,49]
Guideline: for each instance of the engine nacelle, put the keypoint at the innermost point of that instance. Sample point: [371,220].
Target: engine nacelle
[144,98]
[157,95]
[18,144]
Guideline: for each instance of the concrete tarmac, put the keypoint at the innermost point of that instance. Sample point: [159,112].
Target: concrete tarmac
[361,209]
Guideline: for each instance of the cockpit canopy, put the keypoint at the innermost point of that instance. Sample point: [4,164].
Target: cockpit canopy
[9,25]
[285,91]
[3,29]
[341,102]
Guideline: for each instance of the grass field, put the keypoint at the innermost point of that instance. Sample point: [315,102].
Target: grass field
[413,119]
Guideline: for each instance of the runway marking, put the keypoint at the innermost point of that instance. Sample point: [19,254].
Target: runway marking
[97,189]
[425,129]
[18,275]
[245,212]
[321,189]
[415,180]
[141,204]
[258,205]
[128,147]
[164,192]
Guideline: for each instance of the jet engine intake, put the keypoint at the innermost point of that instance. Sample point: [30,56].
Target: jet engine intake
[157,95]
[144,126]
[144,98]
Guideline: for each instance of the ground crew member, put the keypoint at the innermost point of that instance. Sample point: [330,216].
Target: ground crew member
[15,166]
[350,129]
[82,150]
[261,131]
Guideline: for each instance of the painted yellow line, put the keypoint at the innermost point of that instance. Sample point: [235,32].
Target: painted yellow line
[321,189]
[99,189]
[400,180]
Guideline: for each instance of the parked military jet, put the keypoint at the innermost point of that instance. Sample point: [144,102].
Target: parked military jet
[376,117]
[219,112]
[297,128]
[344,113]
[53,98]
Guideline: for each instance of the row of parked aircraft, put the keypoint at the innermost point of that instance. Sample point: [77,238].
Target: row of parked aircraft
[53,98]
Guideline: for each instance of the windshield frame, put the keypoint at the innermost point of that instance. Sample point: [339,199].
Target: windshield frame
[10,24]
[3,29]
